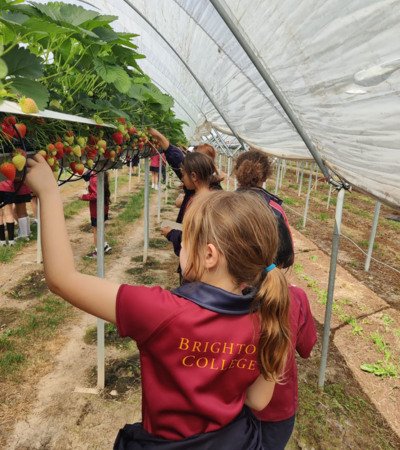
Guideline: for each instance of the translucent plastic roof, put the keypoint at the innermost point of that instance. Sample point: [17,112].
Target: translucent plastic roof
[337,63]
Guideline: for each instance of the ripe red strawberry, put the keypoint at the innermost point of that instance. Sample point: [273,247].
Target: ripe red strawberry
[28,106]
[60,153]
[121,120]
[10,120]
[132,130]
[59,146]
[67,149]
[8,170]
[21,128]
[8,130]
[118,137]
[72,166]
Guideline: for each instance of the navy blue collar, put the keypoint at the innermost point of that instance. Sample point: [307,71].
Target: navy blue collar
[215,299]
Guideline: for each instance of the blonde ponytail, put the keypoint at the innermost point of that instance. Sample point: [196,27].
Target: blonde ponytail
[272,301]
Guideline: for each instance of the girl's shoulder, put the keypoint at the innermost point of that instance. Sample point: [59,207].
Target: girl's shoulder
[299,303]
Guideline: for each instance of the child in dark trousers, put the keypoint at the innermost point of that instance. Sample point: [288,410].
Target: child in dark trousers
[91,197]
[207,349]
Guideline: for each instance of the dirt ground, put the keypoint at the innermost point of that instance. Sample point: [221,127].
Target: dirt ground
[51,404]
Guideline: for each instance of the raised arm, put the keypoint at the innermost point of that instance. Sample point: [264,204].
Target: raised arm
[91,294]
[162,140]
[259,394]
[173,154]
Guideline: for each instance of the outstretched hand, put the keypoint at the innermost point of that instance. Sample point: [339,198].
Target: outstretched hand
[162,140]
[39,175]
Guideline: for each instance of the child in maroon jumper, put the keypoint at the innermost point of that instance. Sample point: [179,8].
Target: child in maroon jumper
[91,197]
[278,418]
[203,345]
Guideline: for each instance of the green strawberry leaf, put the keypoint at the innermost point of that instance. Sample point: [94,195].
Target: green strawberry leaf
[32,89]
[21,62]
[3,69]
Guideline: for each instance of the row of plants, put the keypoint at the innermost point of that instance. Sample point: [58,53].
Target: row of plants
[69,59]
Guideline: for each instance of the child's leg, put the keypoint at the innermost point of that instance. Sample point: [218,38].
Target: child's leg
[94,231]
[275,435]
[23,220]
[9,219]
[2,229]
[153,179]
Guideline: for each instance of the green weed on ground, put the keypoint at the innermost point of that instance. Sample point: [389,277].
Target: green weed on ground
[33,325]
[74,207]
[111,337]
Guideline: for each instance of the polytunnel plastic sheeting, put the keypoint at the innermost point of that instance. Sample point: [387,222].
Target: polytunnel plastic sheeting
[337,63]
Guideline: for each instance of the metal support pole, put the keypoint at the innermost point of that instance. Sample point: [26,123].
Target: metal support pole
[130,176]
[301,180]
[307,198]
[39,256]
[372,236]
[228,179]
[297,172]
[146,208]
[331,287]
[166,182]
[278,171]
[328,203]
[100,274]
[282,174]
[242,40]
[159,191]
[115,184]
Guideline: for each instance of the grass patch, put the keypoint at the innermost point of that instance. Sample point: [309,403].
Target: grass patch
[133,208]
[151,261]
[73,207]
[111,337]
[323,216]
[365,244]
[158,243]
[340,417]
[32,286]
[34,325]
[290,201]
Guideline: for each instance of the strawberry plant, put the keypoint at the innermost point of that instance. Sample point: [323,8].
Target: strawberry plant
[70,59]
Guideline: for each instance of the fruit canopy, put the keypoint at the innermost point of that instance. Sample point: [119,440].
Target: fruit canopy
[70,59]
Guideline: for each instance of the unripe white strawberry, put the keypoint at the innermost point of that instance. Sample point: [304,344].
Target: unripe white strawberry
[28,106]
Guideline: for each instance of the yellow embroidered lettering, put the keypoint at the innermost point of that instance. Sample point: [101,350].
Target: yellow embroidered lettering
[201,363]
[186,359]
[240,348]
[228,347]
[252,365]
[184,345]
[250,349]
[196,346]
[213,345]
